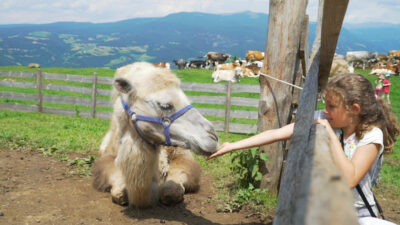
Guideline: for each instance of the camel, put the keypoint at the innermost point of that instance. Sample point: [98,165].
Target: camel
[150,111]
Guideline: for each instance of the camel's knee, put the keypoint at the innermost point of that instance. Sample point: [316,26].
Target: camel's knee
[101,171]
[108,177]
[185,171]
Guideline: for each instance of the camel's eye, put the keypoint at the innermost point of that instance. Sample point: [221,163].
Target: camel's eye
[165,106]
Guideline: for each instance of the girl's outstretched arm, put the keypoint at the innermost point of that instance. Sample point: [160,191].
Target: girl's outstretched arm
[263,138]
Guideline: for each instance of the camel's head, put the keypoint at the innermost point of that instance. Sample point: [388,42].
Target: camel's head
[155,93]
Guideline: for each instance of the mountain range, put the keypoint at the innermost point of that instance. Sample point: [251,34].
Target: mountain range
[180,35]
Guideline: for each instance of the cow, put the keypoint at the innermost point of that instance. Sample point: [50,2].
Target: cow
[181,63]
[251,70]
[227,75]
[226,66]
[197,64]
[254,56]
[394,54]
[381,71]
[213,58]
[163,65]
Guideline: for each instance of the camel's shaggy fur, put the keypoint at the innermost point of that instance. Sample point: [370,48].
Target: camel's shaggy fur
[134,171]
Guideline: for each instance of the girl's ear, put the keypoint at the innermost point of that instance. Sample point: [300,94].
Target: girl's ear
[356,108]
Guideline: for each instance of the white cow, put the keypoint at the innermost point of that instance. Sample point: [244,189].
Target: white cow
[227,75]
[381,71]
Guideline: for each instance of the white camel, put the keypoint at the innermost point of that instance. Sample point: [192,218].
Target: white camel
[150,110]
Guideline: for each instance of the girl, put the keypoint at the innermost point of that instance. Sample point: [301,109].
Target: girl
[386,88]
[379,85]
[367,125]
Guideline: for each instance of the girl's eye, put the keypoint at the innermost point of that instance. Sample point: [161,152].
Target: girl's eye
[165,106]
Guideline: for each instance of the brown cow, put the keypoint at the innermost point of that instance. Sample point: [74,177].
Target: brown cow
[254,56]
[162,65]
[394,54]
[227,66]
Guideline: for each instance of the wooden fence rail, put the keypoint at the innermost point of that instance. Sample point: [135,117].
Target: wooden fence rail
[92,100]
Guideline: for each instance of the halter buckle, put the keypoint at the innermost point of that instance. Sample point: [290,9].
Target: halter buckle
[166,121]
[133,117]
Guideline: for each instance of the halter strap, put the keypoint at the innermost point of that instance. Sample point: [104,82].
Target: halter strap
[165,121]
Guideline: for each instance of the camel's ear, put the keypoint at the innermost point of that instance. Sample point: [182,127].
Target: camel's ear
[123,85]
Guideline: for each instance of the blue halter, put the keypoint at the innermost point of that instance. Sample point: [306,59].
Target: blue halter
[165,121]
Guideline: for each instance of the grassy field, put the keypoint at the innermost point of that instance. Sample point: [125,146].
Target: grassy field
[57,136]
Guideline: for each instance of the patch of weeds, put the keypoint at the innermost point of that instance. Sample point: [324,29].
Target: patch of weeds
[48,151]
[255,196]
[82,165]
[229,207]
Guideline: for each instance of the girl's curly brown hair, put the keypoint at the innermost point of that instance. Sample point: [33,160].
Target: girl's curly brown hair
[356,89]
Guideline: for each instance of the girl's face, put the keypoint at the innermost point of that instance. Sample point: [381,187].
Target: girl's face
[336,113]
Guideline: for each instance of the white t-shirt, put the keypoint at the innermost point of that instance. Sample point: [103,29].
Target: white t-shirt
[350,145]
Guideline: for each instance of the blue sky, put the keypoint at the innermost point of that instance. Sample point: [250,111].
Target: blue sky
[97,11]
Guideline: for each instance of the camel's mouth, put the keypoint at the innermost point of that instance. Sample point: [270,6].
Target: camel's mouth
[197,149]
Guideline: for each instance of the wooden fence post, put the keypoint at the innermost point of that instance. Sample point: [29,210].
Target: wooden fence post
[294,204]
[228,106]
[94,94]
[282,47]
[39,87]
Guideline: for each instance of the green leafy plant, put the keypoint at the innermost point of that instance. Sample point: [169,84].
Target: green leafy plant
[245,166]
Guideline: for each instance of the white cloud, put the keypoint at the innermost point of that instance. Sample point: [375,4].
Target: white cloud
[47,11]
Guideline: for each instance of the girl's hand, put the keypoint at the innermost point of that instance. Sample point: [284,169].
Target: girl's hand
[223,149]
[326,123]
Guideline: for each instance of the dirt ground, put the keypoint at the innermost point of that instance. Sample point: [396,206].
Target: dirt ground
[35,189]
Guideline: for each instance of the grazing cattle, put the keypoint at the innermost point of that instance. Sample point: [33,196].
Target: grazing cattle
[394,54]
[181,63]
[163,65]
[197,64]
[363,58]
[227,75]
[244,71]
[254,56]
[213,58]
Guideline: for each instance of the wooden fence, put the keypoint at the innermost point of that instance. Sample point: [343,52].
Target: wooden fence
[92,101]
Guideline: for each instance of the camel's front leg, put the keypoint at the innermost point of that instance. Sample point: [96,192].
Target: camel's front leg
[108,177]
[118,190]
[183,177]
